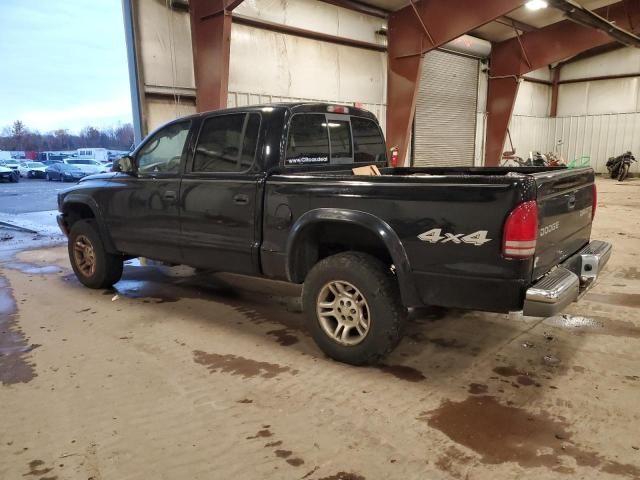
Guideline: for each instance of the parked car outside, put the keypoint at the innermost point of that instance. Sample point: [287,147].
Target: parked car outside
[88,166]
[63,172]
[12,163]
[32,169]
[8,174]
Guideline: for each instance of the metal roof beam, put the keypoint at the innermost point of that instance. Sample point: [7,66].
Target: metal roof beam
[415,30]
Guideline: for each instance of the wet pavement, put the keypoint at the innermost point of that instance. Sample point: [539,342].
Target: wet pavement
[29,195]
[173,374]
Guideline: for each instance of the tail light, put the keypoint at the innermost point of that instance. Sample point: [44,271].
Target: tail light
[521,231]
[595,201]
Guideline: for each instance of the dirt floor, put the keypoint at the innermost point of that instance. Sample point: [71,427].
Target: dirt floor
[175,376]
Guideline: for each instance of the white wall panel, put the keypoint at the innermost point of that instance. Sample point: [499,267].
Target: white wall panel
[618,62]
[316,16]
[533,99]
[266,62]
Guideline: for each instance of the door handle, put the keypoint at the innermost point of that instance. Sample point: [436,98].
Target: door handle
[241,199]
[170,196]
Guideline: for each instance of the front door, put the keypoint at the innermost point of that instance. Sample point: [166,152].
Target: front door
[219,195]
[143,214]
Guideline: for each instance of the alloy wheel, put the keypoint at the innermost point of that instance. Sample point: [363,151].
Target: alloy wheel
[84,256]
[343,313]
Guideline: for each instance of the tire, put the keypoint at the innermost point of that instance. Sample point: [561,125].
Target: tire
[47,177]
[373,282]
[107,268]
[624,171]
[61,179]
[15,177]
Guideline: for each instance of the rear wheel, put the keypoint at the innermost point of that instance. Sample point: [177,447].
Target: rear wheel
[92,264]
[15,177]
[353,309]
[624,171]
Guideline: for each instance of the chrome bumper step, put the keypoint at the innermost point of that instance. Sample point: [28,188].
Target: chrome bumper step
[564,285]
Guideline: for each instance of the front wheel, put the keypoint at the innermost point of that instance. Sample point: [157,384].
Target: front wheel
[92,264]
[352,307]
[15,177]
[624,171]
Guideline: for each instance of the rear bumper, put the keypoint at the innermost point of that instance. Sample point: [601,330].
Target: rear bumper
[566,283]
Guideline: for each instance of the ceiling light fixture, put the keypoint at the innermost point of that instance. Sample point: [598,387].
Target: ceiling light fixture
[536,4]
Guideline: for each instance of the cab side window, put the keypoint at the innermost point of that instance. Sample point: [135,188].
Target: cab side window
[163,151]
[227,143]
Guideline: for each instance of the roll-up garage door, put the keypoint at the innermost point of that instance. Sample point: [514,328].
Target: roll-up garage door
[445,120]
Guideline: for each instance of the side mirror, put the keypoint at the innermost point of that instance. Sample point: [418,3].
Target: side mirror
[123,164]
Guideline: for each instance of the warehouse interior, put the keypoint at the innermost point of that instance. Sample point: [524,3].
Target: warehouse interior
[185,370]
[570,86]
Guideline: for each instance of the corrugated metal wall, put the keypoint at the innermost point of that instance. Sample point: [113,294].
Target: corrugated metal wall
[445,119]
[596,136]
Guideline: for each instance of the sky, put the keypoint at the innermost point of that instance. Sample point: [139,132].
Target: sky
[63,64]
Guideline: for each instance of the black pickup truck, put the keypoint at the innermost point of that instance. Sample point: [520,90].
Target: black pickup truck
[270,191]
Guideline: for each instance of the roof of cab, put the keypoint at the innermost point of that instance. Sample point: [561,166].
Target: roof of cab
[293,107]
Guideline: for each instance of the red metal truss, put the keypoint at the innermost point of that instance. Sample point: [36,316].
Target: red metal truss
[211,40]
[533,50]
[415,30]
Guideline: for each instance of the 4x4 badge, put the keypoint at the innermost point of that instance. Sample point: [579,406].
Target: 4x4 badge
[435,235]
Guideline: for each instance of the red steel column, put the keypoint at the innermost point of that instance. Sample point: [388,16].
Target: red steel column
[543,47]
[555,88]
[411,35]
[211,41]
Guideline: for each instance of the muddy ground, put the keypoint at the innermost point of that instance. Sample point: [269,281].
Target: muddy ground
[177,376]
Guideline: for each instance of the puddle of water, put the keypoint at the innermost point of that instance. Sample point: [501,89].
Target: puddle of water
[594,324]
[240,366]
[344,476]
[403,372]
[523,378]
[631,273]
[501,434]
[478,388]
[14,367]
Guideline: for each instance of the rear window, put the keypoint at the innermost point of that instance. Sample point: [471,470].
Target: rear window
[368,143]
[325,139]
[308,140]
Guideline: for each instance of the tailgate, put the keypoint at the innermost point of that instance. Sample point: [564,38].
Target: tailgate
[565,200]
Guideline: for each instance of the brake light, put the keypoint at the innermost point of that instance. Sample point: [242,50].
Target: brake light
[521,231]
[595,200]
[337,109]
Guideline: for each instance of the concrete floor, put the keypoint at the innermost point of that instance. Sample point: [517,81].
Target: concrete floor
[171,376]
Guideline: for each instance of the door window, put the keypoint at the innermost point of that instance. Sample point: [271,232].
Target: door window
[227,143]
[308,140]
[163,151]
[368,143]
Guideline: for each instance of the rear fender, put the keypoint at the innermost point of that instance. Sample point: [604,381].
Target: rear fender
[362,219]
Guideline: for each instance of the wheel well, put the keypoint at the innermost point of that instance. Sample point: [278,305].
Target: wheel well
[76,211]
[322,240]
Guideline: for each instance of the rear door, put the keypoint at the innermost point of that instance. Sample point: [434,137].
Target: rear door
[218,195]
[565,201]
